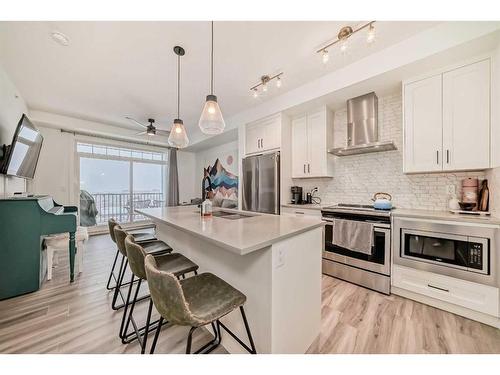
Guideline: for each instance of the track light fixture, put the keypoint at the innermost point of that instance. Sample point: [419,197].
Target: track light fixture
[343,39]
[264,84]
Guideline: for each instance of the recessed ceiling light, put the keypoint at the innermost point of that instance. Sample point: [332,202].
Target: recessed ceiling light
[59,38]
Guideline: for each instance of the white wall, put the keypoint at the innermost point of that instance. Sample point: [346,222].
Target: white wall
[54,166]
[12,106]
[357,177]
[493,175]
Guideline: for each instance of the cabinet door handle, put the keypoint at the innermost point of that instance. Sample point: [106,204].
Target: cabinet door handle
[304,168]
[438,288]
[308,168]
[447,156]
[262,142]
[258,143]
[437,157]
[300,213]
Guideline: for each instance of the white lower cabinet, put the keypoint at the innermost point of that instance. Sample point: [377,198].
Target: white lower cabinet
[477,297]
[301,211]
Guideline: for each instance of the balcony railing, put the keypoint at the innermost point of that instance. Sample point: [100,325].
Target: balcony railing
[121,206]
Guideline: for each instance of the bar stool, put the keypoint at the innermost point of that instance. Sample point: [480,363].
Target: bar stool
[151,247]
[138,235]
[175,264]
[196,301]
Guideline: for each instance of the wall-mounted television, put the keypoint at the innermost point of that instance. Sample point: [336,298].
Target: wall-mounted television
[21,157]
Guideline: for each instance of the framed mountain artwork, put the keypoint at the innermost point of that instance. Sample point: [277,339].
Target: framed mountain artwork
[220,179]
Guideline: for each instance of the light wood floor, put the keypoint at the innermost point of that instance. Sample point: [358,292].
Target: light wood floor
[77,318]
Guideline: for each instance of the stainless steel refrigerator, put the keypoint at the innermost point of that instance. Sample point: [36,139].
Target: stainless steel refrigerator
[261,183]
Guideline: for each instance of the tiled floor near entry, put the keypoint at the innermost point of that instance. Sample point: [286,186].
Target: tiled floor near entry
[77,318]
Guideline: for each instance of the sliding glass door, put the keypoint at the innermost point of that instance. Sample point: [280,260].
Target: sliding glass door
[115,181]
[147,186]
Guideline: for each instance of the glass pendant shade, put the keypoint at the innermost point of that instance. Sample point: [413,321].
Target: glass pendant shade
[211,120]
[178,137]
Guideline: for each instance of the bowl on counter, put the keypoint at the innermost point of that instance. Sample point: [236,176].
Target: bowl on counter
[467,206]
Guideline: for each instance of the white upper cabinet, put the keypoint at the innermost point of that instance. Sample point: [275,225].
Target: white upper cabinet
[423,125]
[466,117]
[312,135]
[263,135]
[299,147]
[447,120]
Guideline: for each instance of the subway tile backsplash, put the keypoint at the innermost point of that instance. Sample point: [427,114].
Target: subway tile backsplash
[358,177]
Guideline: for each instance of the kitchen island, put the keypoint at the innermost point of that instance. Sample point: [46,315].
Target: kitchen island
[274,260]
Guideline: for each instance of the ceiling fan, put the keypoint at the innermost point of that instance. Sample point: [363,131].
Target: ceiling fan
[150,129]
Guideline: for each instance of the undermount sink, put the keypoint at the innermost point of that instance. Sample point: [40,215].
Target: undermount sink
[231,215]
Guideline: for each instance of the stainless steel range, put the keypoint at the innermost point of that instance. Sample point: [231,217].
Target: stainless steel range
[369,269]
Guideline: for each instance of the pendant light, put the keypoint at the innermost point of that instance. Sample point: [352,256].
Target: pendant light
[178,137]
[211,120]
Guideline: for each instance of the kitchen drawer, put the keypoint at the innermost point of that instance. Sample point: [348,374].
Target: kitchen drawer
[301,211]
[478,297]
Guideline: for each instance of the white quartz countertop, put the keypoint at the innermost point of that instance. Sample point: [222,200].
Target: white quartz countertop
[240,236]
[445,215]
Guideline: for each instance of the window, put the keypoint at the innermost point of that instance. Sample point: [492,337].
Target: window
[114,181]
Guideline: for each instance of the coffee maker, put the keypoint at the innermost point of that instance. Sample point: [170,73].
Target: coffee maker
[296,194]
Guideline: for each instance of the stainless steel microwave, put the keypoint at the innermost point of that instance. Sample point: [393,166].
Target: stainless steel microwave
[462,252]
[467,251]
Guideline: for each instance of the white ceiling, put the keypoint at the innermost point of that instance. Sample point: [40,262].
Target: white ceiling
[113,69]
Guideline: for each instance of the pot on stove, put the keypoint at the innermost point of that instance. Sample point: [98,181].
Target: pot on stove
[382,201]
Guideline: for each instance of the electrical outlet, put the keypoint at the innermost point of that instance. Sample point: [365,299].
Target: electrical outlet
[450,189]
[280,258]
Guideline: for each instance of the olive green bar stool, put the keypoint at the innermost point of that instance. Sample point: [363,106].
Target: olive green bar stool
[138,235]
[195,302]
[175,264]
[151,247]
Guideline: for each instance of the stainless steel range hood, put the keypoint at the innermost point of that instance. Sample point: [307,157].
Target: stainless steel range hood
[362,128]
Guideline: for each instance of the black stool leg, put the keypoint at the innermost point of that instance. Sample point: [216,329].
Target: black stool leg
[111,274]
[247,327]
[157,333]
[122,333]
[251,350]
[190,338]
[123,269]
[121,272]
[146,330]
[132,306]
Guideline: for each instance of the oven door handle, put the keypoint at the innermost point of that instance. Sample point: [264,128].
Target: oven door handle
[376,225]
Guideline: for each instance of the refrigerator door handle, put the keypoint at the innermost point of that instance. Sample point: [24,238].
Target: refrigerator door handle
[277,193]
